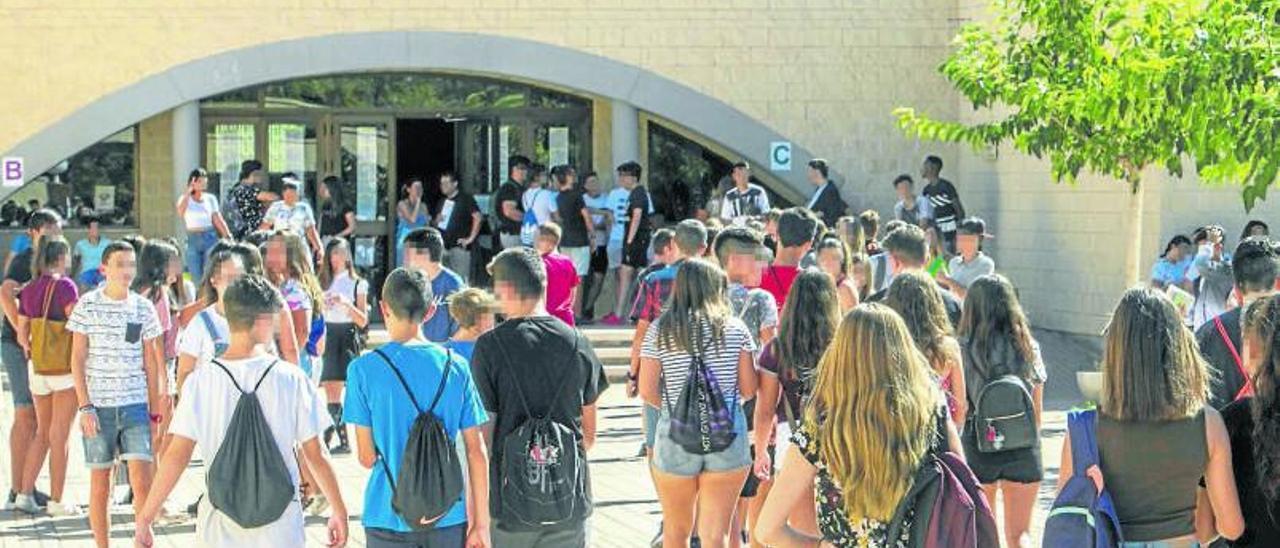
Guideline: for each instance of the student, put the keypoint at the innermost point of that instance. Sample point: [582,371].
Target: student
[1255,228]
[247,198]
[207,334]
[616,204]
[346,314]
[291,213]
[834,260]
[869,220]
[870,350]
[995,341]
[337,217]
[943,199]
[1212,271]
[200,215]
[826,201]
[87,258]
[636,233]
[970,263]
[1156,436]
[40,224]
[50,297]
[534,363]
[1255,267]
[119,382]
[1172,266]
[289,267]
[576,240]
[698,325]
[915,297]
[459,222]
[746,199]
[863,276]
[423,250]
[601,265]
[655,287]
[562,276]
[795,239]
[411,214]
[152,282]
[910,208]
[939,261]
[905,251]
[1251,424]
[410,363]
[473,309]
[290,406]
[540,198]
[507,208]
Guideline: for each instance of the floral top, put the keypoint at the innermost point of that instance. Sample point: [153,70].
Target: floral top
[833,521]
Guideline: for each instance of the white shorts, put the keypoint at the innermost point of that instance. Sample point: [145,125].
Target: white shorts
[614,251]
[43,385]
[581,257]
[783,443]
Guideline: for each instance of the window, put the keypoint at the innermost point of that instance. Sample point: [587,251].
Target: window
[99,181]
[686,178]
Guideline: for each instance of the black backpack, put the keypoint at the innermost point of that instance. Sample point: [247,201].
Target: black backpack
[1004,417]
[543,469]
[701,420]
[430,471]
[248,480]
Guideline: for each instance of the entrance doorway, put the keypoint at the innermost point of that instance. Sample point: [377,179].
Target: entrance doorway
[424,150]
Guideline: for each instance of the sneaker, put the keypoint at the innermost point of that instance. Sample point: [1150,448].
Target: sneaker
[194,508]
[342,449]
[611,320]
[42,499]
[26,504]
[657,539]
[64,509]
[8,502]
[318,505]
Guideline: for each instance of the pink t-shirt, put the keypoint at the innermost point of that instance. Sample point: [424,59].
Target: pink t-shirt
[561,279]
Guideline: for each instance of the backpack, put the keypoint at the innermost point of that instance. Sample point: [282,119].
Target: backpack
[248,480]
[529,225]
[231,213]
[220,342]
[950,509]
[701,420]
[543,469]
[430,470]
[1004,418]
[1247,389]
[1081,516]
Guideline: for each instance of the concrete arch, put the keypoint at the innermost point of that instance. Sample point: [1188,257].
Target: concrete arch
[411,50]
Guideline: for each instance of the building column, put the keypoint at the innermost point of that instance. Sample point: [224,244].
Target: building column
[625,133]
[186,153]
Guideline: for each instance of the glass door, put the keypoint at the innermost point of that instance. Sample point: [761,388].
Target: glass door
[358,151]
[227,143]
[291,148]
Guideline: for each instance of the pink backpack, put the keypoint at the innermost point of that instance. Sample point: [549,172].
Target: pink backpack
[950,509]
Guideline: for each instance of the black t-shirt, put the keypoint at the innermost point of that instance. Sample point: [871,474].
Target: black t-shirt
[333,218]
[1260,518]
[945,200]
[949,299]
[19,271]
[554,367]
[459,225]
[639,199]
[510,191]
[570,205]
[1227,380]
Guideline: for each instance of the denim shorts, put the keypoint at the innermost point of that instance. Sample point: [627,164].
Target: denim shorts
[670,458]
[15,367]
[651,416]
[123,432]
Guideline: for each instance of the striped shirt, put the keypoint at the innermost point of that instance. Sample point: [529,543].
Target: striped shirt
[721,357]
[116,331]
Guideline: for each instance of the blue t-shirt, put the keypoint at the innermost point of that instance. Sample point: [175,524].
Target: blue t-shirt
[441,326]
[90,255]
[462,348]
[376,400]
[20,243]
[1171,273]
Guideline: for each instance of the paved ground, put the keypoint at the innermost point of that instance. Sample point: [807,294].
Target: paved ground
[627,512]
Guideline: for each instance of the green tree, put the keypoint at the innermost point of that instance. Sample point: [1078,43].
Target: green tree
[1113,87]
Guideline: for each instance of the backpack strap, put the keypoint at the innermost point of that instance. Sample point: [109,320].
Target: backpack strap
[1081,425]
[448,365]
[233,377]
[400,378]
[524,403]
[1247,389]
[208,325]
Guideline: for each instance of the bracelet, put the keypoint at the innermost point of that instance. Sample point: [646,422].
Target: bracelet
[88,409]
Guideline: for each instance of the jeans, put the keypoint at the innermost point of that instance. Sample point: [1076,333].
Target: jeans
[198,245]
[15,366]
[573,536]
[447,537]
[123,432]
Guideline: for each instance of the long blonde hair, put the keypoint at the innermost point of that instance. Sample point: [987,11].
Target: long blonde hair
[873,411]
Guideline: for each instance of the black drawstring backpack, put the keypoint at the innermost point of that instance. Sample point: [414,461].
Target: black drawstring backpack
[248,480]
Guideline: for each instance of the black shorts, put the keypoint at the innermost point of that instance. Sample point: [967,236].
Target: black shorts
[599,260]
[1018,465]
[339,350]
[636,254]
[752,485]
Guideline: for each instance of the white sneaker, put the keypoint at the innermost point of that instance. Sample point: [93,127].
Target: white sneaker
[64,509]
[26,504]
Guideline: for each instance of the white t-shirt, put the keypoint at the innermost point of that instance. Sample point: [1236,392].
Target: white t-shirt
[114,368]
[343,288]
[297,218]
[196,340]
[199,215]
[542,201]
[598,202]
[294,414]
[721,357]
[617,202]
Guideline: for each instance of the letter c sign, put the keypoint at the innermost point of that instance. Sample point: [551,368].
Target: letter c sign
[780,156]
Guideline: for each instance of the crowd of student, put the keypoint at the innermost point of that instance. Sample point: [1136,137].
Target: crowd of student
[803,373]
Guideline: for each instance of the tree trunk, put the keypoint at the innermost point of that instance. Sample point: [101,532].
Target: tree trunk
[1133,247]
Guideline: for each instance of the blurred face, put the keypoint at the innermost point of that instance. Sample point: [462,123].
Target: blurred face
[519,174]
[544,246]
[120,268]
[540,180]
[93,230]
[570,180]
[323,192]
[228,272]
[926,170]
[416,258]
[277,259]
[290,195]
[816,177]
[200,183]
[415,190]
[830,260]
[174,272]
[771,228]
[747,268]
[904,189]
[626,181]
[741,176]
[257,177]
[967,244]
[448,185]
[46,230]
[592,184]
[1258,230]
[338,258]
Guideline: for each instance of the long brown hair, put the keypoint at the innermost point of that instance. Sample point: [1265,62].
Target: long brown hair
[698,295]
[917,298]
[993,317]
[1151,367]
[326,266]
[808,322]
[1262,330]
